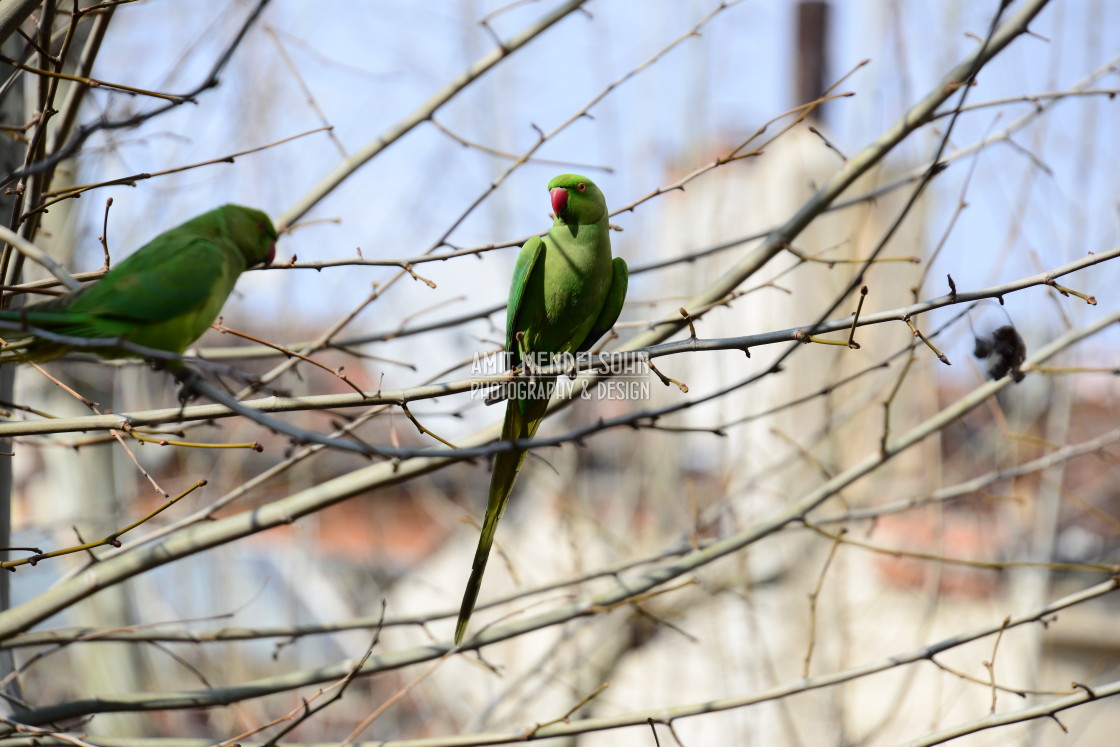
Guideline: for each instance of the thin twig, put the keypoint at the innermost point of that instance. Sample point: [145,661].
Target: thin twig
[109,539]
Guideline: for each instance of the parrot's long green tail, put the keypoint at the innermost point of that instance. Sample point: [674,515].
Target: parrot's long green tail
[522,419]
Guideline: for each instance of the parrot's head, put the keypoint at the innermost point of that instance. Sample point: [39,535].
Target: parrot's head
[253,233]
[576,200]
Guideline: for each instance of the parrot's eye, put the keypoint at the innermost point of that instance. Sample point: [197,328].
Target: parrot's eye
[260,226]
[581,187]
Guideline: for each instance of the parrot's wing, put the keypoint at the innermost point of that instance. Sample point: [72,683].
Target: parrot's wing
[526,260]
[169,277]
[612,306]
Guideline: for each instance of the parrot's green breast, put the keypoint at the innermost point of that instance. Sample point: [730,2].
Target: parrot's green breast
[570,287]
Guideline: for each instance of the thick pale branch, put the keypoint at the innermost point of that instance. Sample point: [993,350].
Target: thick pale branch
[1042,710]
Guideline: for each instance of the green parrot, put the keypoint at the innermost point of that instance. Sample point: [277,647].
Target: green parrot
[164,296]
[567,292]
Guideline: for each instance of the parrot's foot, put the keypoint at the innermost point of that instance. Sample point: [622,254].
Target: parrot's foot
[165,364]
[186,394]
[528,365]
[186,378]
[570,367]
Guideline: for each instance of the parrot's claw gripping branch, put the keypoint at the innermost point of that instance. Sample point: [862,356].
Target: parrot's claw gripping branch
[528,366]
[188,380]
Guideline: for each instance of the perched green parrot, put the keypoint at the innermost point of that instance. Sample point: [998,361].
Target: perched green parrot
[567,292]
[164,296]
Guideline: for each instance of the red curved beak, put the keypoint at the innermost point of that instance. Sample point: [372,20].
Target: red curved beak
[271,254]
[559,199]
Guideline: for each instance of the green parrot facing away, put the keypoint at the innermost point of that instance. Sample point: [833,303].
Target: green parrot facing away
[567,292]
[164,296]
